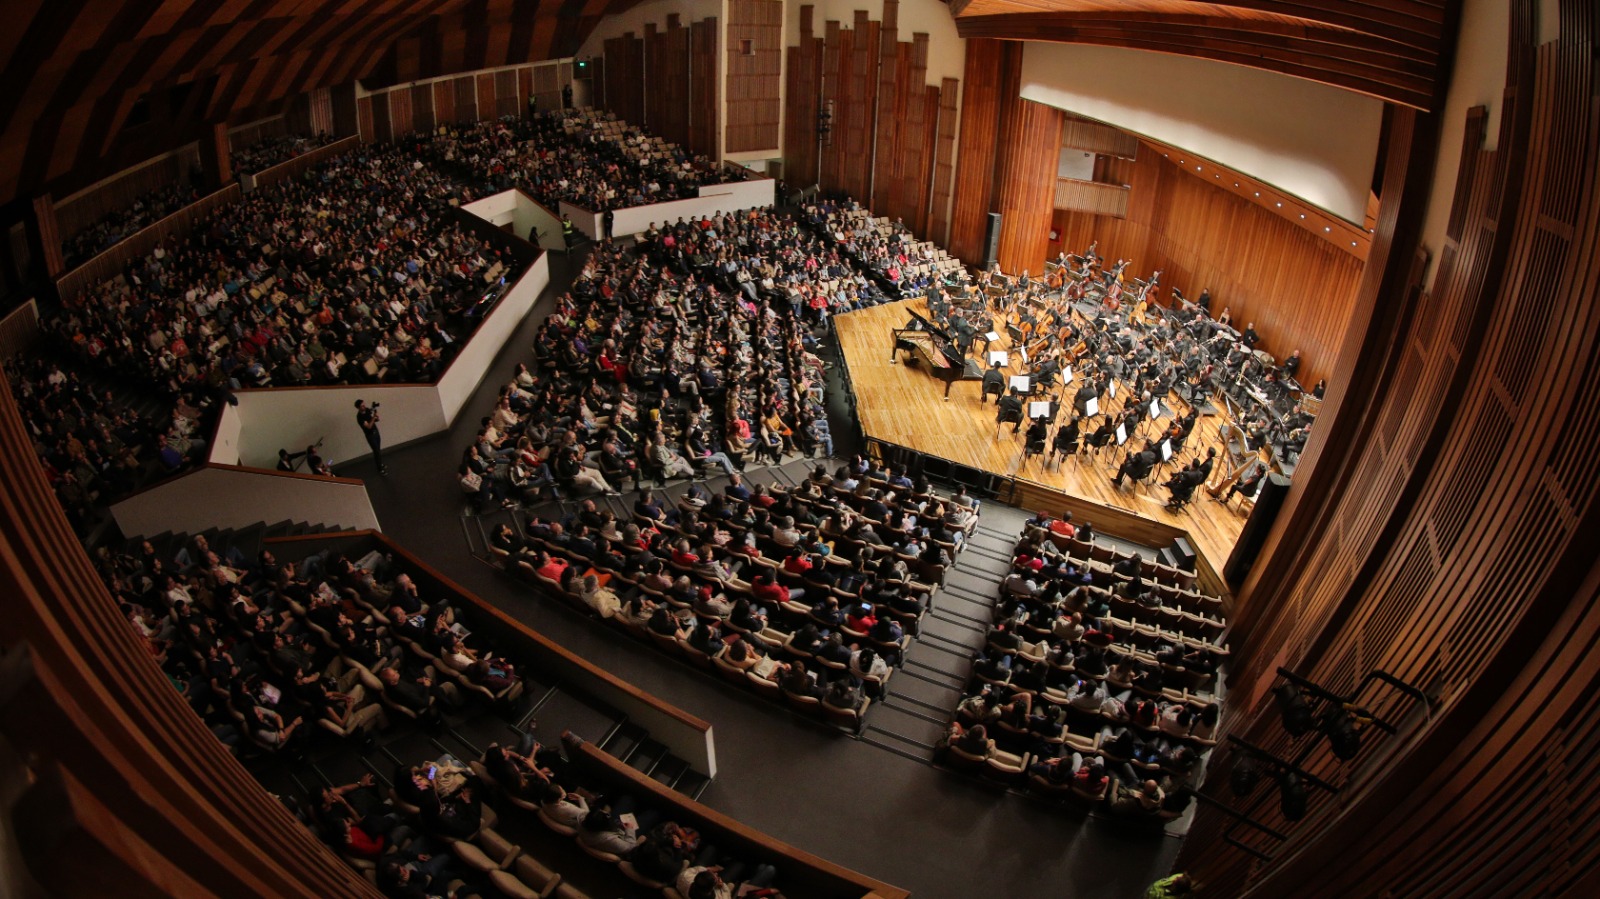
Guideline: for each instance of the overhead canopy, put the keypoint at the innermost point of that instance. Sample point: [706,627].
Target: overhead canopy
[1389,50]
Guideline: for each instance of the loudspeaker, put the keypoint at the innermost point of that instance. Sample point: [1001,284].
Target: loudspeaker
[1181,553]
[1268,503]
[991,241]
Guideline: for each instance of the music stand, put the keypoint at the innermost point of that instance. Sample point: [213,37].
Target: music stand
[1021,383]
[1091,408]
[1122,434]
[1000,356]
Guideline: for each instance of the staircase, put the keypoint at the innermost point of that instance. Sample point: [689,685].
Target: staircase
[923,696]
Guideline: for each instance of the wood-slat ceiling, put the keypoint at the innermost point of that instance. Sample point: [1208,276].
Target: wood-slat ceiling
[1390,50]
[81,73]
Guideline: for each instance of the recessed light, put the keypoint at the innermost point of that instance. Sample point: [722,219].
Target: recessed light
[1326,228]
[1280,205]
[1258,193]
[1302,215]
[1235,184]
[1352,243]
[1198,169]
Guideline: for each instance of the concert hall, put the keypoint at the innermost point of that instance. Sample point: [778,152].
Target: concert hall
[802,449]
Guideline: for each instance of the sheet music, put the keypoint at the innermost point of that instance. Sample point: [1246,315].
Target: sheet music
[1000,356]
[1022,383]
[1122,434]
[1039,409]
[992,336]
[1111,388]
[1092,408]
[1166,450]
[1155,408]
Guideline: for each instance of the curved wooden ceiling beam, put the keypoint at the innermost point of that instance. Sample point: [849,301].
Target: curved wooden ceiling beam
[1391,52]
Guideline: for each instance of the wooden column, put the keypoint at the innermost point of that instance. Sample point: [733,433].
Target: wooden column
[216,156]
[1030,150]
[44,235]
[975,158]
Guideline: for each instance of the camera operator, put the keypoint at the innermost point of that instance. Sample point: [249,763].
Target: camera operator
[367,418]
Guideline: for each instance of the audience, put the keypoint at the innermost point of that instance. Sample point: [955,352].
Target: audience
[270,151]
[118,225]
[1068,683]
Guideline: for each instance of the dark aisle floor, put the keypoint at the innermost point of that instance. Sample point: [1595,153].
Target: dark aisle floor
[887,815]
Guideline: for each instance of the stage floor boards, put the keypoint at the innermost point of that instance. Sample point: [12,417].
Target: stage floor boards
[904,404]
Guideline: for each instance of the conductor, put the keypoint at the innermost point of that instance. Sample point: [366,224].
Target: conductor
[367,418]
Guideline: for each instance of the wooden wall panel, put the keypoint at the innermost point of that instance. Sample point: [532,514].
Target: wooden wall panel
[466,98]
[1029,156]
[346,120]
[319,112]
[978,148]
[1098,137]
[944,163]
[850,82]
[1295,286]
[422,118]
[402,119]
[117,193]
[703,106]
[624,77]
[242,136]
[892,87]
[366,125]
[802,100]
[524,87]
[1091,197]
[755,75]
[382,117]
[1442,529]
[486,97]
[444,102]
[666,71]
[506,100]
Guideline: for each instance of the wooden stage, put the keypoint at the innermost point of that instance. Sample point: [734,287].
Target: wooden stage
[904,404]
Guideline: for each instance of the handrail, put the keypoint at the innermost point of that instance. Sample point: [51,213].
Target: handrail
[790,858]
[535,201]
[274,473]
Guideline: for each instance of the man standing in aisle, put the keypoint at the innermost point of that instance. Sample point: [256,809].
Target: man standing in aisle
[367,418]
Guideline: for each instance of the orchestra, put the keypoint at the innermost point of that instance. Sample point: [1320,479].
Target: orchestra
[1133,368]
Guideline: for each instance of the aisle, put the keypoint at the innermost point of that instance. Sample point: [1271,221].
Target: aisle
[924,693]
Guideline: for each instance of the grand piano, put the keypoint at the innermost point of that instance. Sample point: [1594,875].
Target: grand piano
[924,341]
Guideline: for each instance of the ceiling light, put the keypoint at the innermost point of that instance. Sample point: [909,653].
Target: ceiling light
[1326,228]
[1302,215]
[1280,205]
[1258,193]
